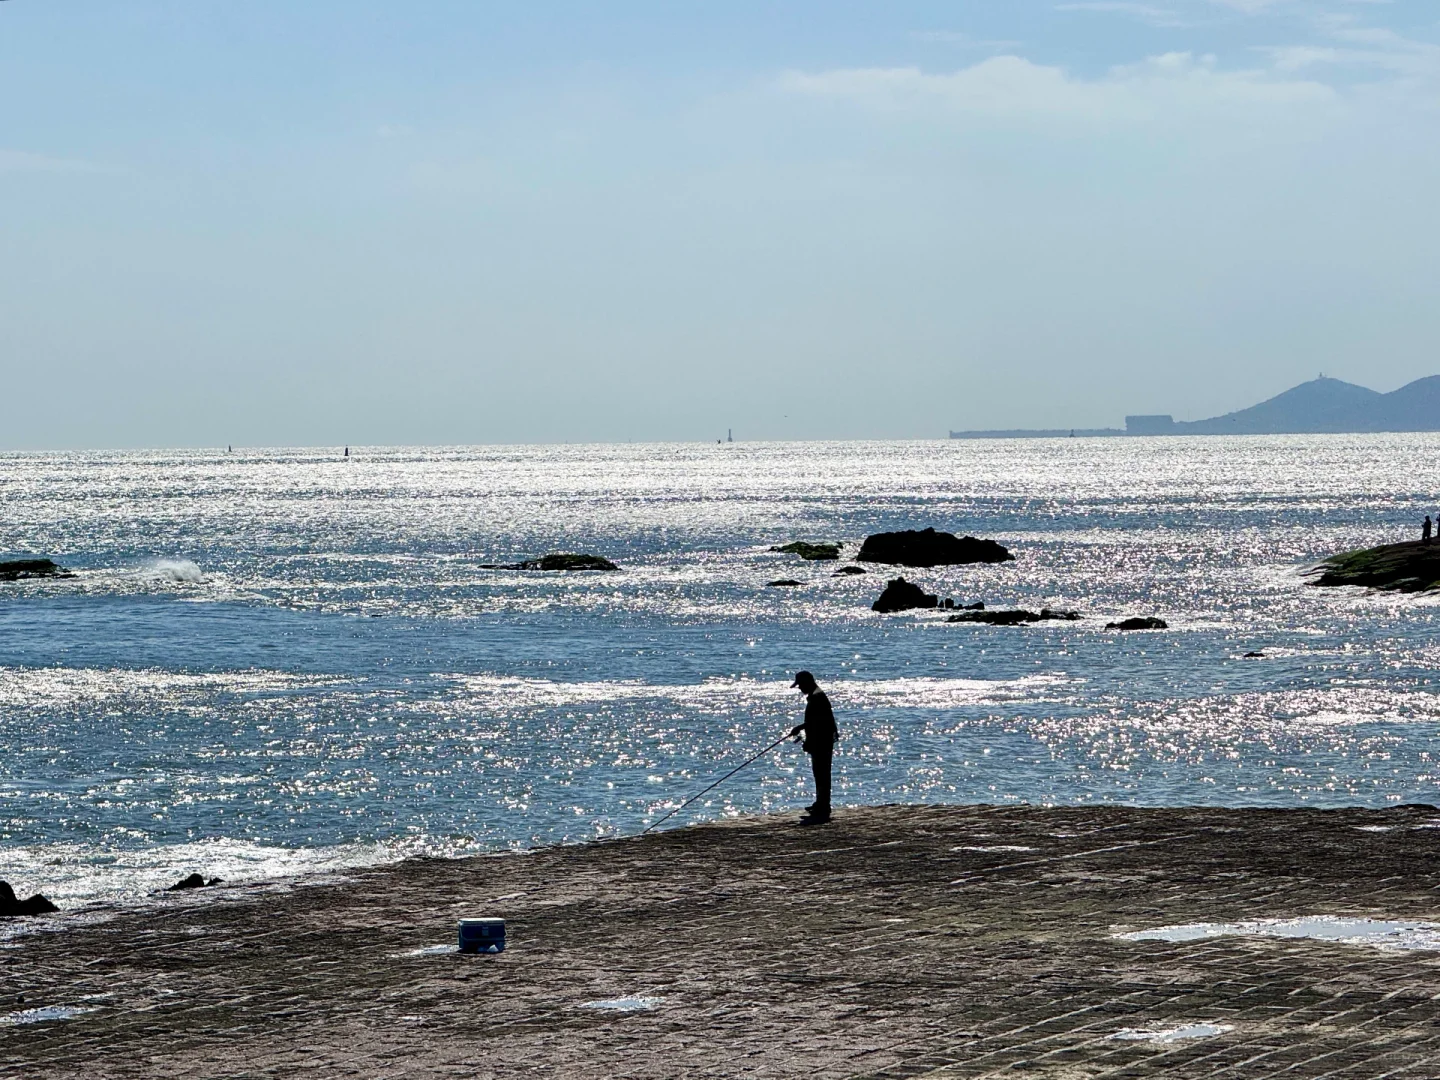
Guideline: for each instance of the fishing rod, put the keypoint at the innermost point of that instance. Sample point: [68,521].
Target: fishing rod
[717,783]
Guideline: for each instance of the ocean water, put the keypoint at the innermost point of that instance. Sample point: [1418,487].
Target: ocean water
[285,662]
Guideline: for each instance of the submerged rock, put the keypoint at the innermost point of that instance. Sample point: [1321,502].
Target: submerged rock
[926,547]
[902,595]
[560,561]
[1011,617]
[1413,566]
[848,571]
[1149,622]
[194,881]
[812,552]
[21,569]
[783,583]
[11,905]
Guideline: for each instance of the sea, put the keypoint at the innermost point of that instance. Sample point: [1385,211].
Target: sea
[280,664]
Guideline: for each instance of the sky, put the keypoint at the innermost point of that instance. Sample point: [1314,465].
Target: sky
[446,222]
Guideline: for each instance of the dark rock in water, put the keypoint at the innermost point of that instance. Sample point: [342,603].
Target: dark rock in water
[979,605]
[901,595]
[1147,623]
[569,562]
[21,569]
[813,552]
[847,571]
[783,583]
[11,905]
[926,547]
[1413,566]
[556,562]
[194,881]
[1254,656]
[1012,617]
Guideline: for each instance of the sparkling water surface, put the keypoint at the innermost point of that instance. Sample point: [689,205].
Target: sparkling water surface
[287,662]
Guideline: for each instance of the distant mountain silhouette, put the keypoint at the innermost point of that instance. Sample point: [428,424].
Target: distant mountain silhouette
[1319,406]
[1331,405]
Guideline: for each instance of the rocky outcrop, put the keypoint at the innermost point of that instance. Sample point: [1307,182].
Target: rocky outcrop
[11,905]
[902,595]
[23,569]
[812,552]
[1012,617]
[561,561]
[1413,566]
[194,881]
[849,571]
[1147,623]
[926,547]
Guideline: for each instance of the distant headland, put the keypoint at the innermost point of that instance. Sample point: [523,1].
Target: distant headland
[1319,406]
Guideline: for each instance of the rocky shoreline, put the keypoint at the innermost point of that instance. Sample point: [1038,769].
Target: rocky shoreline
[898,941]
[1413,566]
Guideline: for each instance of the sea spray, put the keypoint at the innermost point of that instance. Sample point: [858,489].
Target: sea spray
[177,570]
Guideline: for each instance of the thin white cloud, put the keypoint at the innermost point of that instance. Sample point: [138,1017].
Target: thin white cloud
[20,161]
[1253,7]
[1013,87]
[1146,13]
[962,40]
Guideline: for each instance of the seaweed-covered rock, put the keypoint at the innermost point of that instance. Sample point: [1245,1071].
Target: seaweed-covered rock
[21,569]
[1012,617]
[11,905]
[1148,622]
[783,583]
[926,547]
[849,571]
[1413,566]
[812,552]
[902,595]
[561,561]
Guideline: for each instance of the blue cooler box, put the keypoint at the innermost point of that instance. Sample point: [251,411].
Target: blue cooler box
[482,935]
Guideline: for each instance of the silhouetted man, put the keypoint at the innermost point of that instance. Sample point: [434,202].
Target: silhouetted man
[1425,532]
[820,735]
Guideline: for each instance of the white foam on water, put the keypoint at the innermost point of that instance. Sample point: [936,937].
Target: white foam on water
[1175,1034]
[506,693]
[45,688]
[624,1004]
[181,571]
[994,847]
[44,1014]
[72,874]
[1376,933]
[1374,828]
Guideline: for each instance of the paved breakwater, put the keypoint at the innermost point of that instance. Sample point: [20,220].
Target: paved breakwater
[897,941]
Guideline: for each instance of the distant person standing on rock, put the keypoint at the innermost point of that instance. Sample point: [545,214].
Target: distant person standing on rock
[820,737]
[1425,532]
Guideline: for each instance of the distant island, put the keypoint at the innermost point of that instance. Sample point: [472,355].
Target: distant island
[1319,406]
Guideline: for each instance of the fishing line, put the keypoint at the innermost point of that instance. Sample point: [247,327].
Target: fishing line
[717,783]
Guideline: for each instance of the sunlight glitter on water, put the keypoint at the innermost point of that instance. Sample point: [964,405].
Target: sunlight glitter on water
[282,662]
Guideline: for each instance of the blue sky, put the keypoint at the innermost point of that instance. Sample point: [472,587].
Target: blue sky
[438,222]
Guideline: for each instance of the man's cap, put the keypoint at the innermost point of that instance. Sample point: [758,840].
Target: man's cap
[802,677]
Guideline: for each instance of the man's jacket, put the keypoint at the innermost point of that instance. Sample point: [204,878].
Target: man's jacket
[819,725]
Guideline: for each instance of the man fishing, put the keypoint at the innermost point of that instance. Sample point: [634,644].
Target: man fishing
[820,736]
